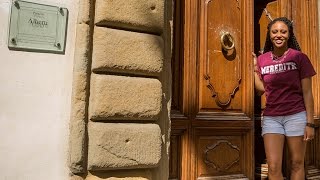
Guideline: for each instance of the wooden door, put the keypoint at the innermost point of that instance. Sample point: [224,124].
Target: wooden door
[215,114]
[212,103]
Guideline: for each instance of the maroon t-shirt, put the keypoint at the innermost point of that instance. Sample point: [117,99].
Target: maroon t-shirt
[282,81]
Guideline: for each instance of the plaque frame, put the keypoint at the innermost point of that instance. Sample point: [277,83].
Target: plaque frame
[37,27]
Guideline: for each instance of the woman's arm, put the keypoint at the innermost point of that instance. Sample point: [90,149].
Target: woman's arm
[258,84]
[309,104]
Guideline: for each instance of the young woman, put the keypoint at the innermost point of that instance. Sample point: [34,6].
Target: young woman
[284,74]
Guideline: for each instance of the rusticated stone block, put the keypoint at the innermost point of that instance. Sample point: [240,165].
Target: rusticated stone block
[82,49]
[80,92]
[126,174]
[84,13]
[125,51]
[77,177]
[123,146]
[116,178]
[124,98]
[141,15]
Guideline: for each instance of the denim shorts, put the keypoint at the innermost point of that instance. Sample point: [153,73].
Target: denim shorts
[291,125]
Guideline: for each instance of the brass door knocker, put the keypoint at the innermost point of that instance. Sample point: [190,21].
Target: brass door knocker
[227,41]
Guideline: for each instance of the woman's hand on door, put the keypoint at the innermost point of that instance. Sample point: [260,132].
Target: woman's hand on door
[257,79]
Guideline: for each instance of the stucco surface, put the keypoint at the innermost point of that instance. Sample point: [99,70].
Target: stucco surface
[129,52]
[141,15]
[35,98]
[123,146]
[124,98]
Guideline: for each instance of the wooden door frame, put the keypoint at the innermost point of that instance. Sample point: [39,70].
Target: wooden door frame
[307,25]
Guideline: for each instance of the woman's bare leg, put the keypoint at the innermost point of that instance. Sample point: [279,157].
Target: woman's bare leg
[273,144]
[297,149]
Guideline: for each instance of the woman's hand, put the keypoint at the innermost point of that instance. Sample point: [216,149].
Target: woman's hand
[306,84]
[254,61]
[257,79]
[308,133]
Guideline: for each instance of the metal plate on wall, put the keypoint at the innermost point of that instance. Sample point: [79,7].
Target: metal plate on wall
[37,27]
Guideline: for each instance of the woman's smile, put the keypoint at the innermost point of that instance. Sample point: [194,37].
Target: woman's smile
[279,35]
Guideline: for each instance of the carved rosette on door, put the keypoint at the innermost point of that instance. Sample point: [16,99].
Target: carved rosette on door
[222,64]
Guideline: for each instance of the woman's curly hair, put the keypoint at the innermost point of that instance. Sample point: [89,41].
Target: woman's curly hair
[292,41]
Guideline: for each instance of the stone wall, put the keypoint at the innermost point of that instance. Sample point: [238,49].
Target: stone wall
[119,127]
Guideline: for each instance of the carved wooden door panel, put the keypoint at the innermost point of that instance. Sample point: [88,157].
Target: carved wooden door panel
[212,105]
[222,108]
[215,115]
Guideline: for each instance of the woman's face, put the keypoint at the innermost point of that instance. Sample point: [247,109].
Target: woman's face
[279,35]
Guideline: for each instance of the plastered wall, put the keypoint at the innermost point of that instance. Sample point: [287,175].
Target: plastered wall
[116,123]
[35,95]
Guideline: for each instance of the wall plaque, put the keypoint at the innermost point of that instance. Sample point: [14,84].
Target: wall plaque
[37,27]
